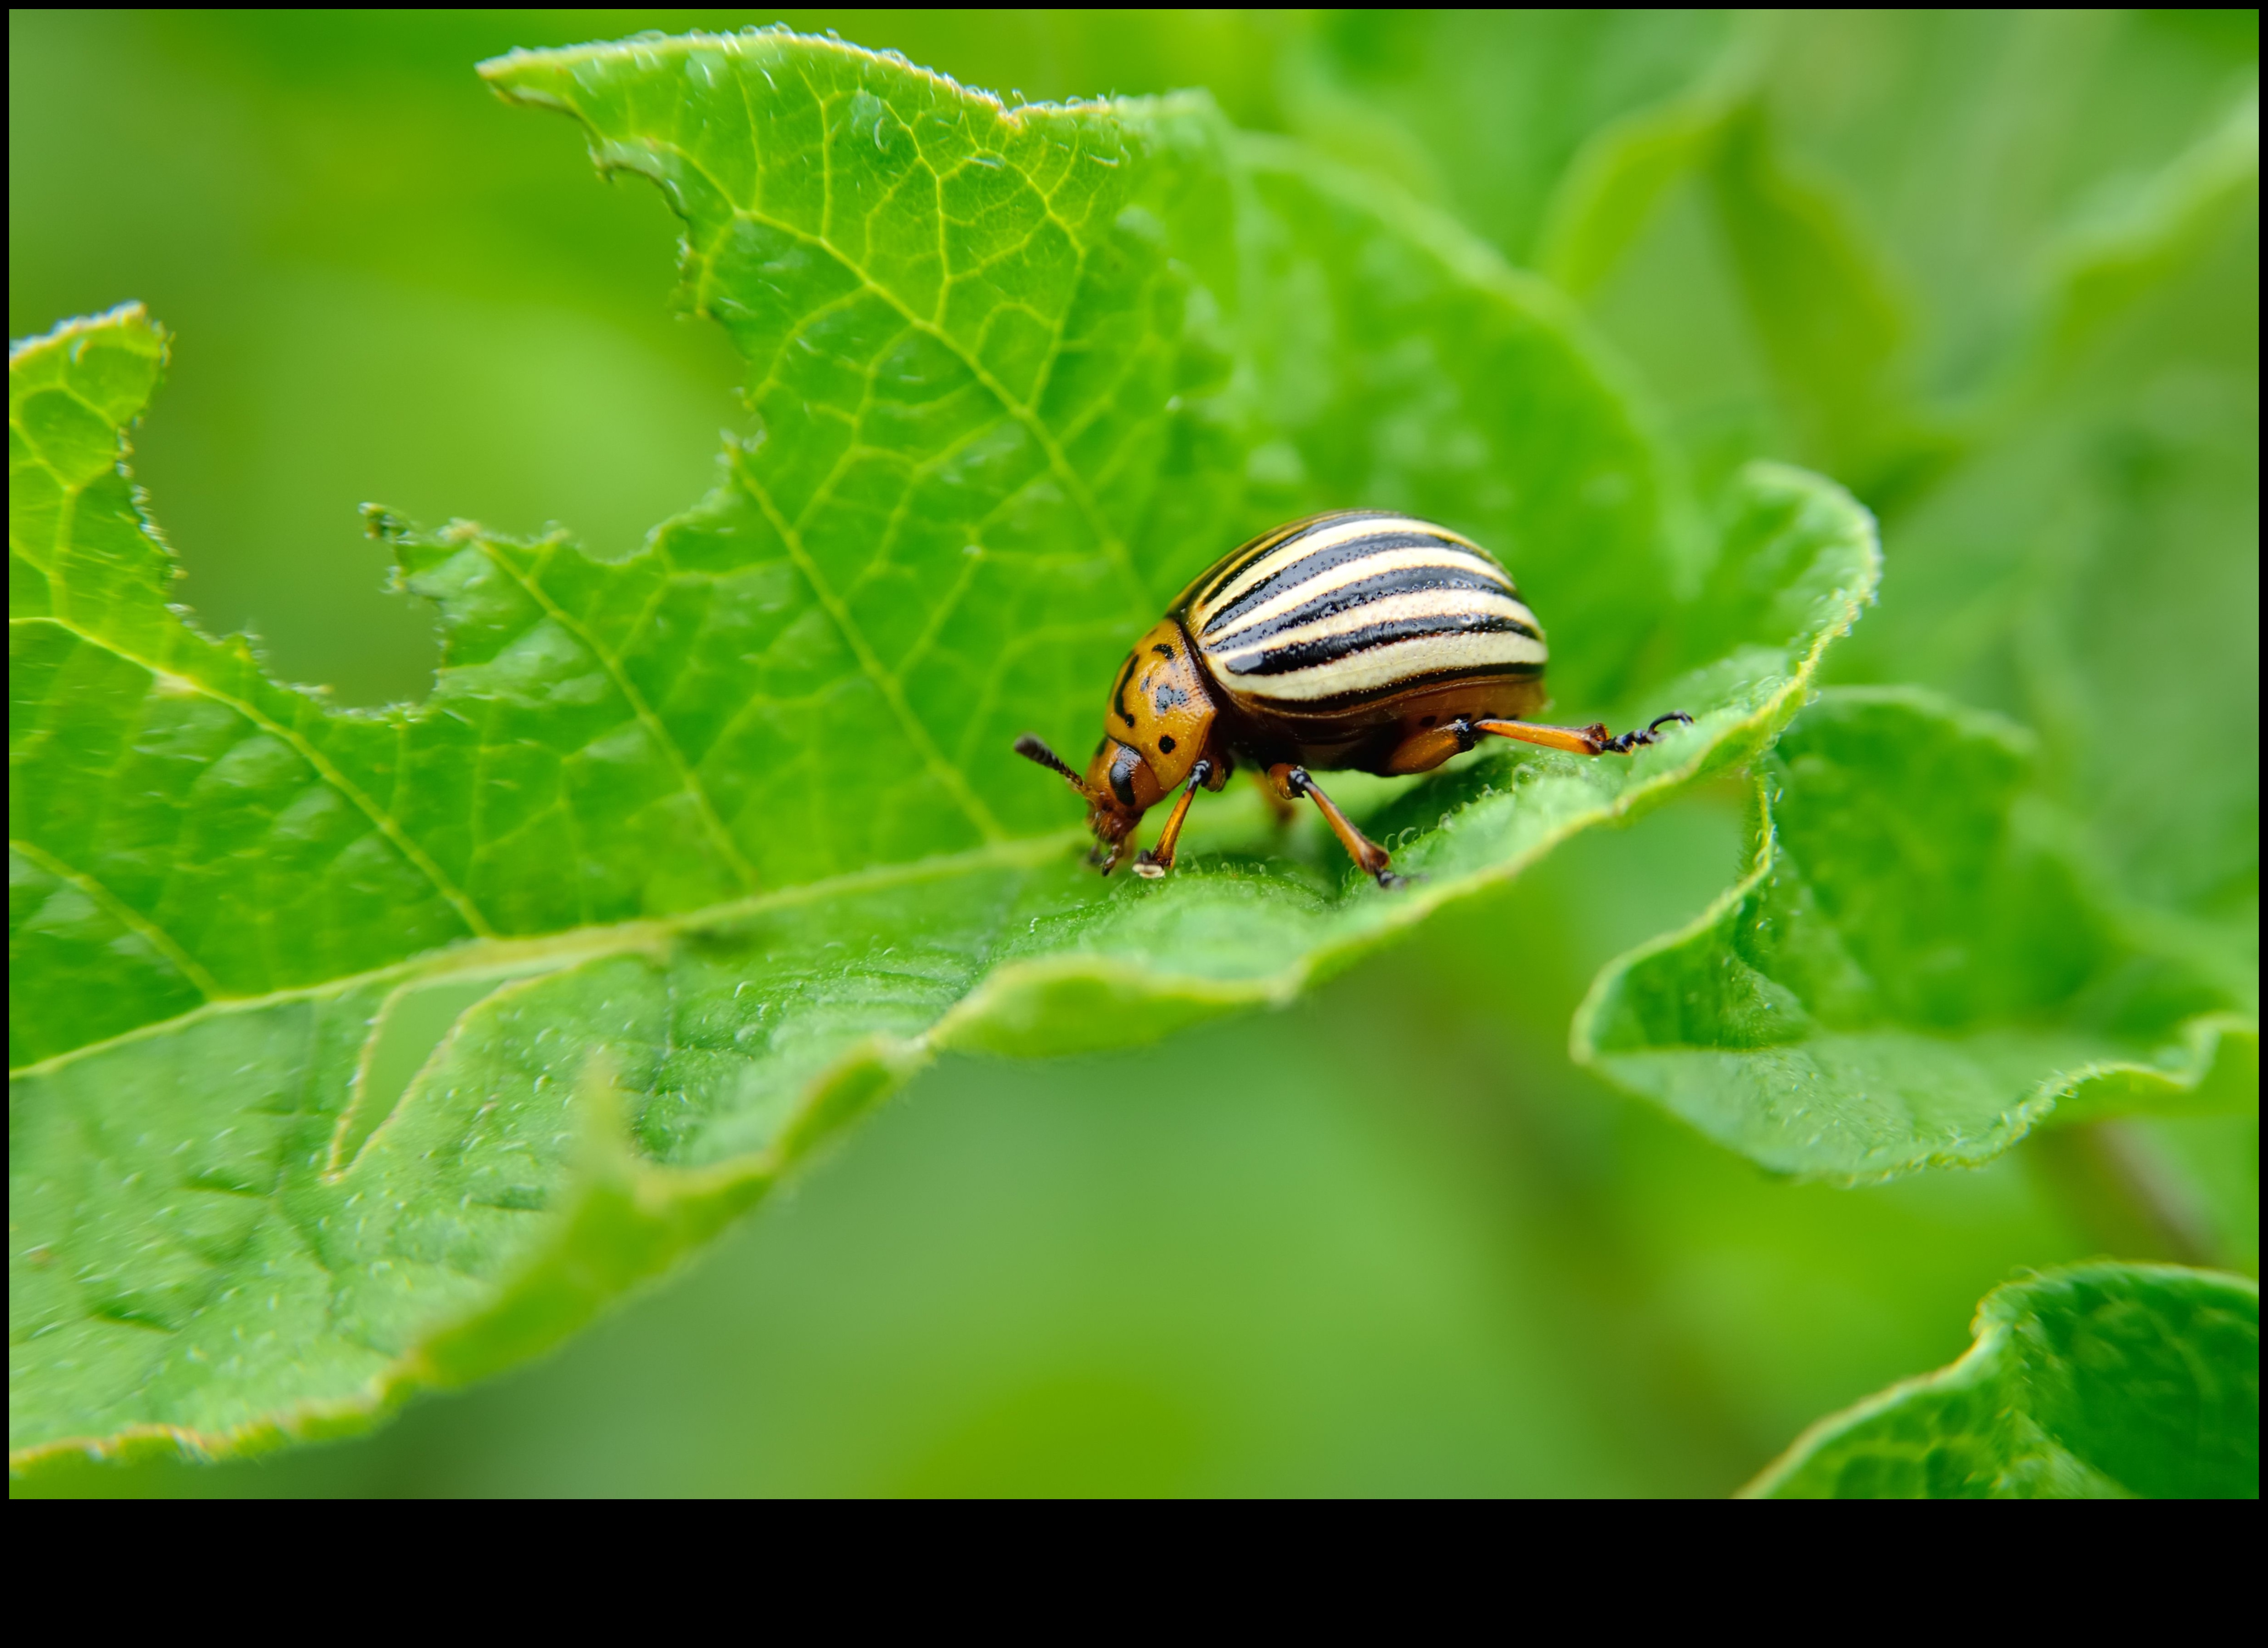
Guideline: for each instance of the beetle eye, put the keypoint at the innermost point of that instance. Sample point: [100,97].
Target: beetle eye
[1165,745]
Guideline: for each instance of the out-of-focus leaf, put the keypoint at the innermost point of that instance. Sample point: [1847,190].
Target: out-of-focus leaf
[2094,570]
[2074,198]
[358,1051]
[1616,181]
[1975,144]
[1822,304]
[1484,111]
[1916,971]
[2100,1381]
[1812,293]
[1560,138]
[2107,267]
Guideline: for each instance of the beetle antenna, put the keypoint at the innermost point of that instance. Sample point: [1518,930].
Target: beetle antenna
[1034,749]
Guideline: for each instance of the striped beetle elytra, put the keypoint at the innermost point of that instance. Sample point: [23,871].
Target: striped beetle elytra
[1359,640]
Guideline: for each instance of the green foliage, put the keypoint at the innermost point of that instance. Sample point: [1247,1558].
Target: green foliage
[2037,355]
[2036,358]
[1485,110]
[1918,969]
[366,1049]
[2102,1381]
[356,1053]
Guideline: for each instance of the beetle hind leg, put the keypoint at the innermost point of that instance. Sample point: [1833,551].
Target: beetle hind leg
[1594,739]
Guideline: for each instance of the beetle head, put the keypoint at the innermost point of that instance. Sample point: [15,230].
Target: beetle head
[1157,721]
[1117,788]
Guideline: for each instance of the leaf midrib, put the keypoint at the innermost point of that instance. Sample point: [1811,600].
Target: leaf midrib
[572,946]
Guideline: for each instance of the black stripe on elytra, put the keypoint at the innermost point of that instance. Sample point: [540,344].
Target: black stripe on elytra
[1330,649]
[1403,684]
[1226,571]
[1307,567]
[1122,774]
[1362,592]
[1118,691]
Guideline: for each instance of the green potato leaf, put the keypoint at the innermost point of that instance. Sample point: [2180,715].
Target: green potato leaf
[2101,1381]
[2038,358]
[1818,297]
[358,1051]
[2094,568]
[1485,110]
[1918,970]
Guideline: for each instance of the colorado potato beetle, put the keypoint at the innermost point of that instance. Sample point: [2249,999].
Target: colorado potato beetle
[1361,639]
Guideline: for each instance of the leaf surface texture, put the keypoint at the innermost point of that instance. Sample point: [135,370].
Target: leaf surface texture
[355,1051]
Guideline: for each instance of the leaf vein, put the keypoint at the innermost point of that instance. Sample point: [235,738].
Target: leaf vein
[466,910]
[646,716]
[491,952]
[164,942]
[1058,460]
[947,775]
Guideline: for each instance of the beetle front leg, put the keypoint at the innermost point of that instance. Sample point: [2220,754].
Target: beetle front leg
[1371,860]
[1594,739]
[1151,865]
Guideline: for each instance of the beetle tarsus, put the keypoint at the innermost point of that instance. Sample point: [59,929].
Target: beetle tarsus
[1594,739]
[1626,742]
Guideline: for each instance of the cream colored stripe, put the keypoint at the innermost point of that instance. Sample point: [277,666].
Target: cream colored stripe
[1353,572]
[1399,661]
[1300,548]
[1391,665]
[1448,604]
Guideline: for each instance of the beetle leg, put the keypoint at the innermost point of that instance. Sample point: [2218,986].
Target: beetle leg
[1422,752]
[1594,739]
[1370,857]
[1279,804]
[1151,865]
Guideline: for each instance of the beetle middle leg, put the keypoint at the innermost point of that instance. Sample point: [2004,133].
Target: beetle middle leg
[1281,808]
[1151,866]
[1371,860]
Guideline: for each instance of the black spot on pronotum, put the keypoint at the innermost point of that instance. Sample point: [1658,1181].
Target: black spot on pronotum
[1165,744]
[1122,773]
[1118,692]
[1161,649]
[1169,698]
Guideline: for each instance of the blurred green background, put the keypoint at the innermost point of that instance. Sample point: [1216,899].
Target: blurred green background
[1390,1241]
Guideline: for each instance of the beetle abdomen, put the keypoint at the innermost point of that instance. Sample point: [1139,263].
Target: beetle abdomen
[1349,608]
